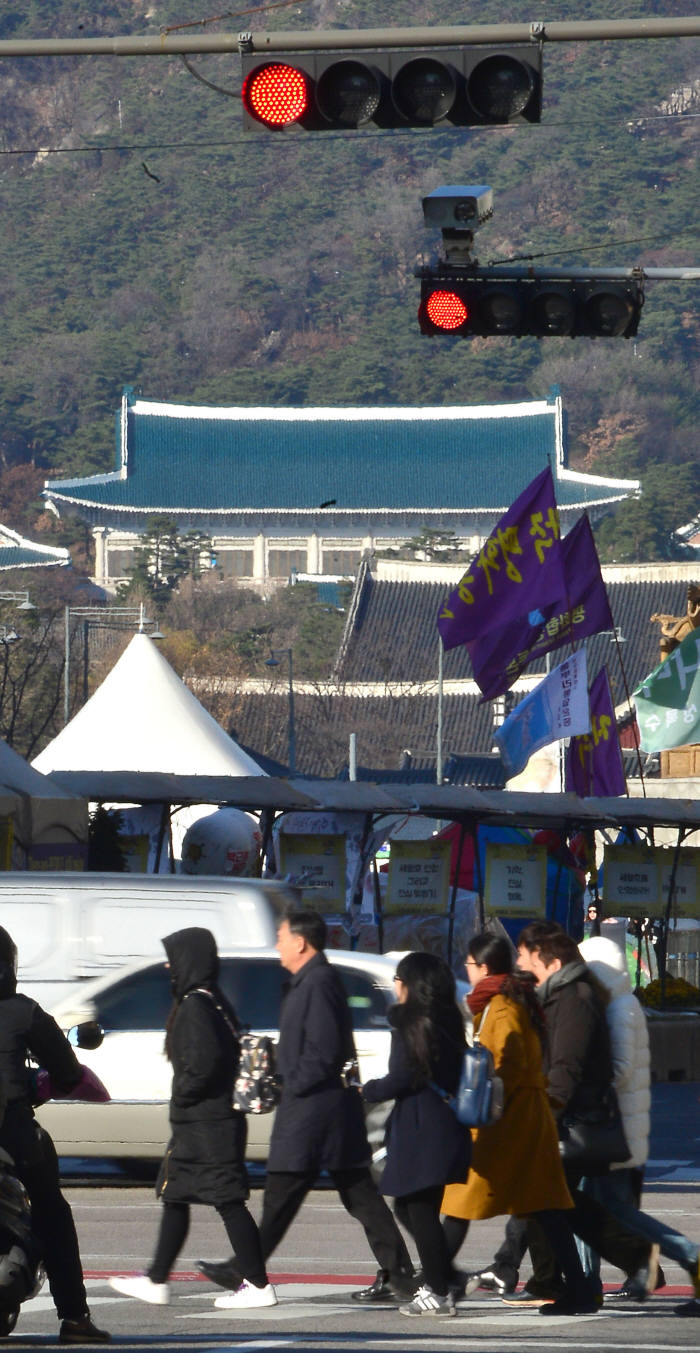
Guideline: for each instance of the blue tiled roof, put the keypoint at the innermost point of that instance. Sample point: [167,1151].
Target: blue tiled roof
[177,459]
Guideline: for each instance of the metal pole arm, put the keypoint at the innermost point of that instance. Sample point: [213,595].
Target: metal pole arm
[180,43]
[442,271]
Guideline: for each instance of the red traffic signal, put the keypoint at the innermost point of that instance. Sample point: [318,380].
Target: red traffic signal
[395,87]
[526,307]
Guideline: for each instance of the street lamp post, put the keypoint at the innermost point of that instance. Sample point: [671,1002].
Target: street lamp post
[273,661]
[102,617]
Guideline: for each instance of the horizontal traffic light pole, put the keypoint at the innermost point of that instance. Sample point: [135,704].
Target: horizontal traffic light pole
[520,272]
[180,42]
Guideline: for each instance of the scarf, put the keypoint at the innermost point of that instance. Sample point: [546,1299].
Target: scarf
[481,994]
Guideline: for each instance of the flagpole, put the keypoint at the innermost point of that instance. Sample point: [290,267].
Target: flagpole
[438,749]
[628,697]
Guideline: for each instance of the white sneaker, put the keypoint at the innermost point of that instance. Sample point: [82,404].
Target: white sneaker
[427,1302]
[156,1294]
[246,1296]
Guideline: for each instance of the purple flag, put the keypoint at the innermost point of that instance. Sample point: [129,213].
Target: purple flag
[594,761]
[580,609]
[518,566]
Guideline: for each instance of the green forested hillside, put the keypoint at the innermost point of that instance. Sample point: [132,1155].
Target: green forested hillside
[146,240]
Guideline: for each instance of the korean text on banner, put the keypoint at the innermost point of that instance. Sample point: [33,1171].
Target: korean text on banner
[594,760]
[581,609]
[557,708]
[518,567]
[668,700]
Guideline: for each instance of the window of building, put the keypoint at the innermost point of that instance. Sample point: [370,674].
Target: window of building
[281,562]
[340,561]
[119,562]
[234,563]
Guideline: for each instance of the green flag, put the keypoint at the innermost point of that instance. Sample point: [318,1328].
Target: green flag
[668,701]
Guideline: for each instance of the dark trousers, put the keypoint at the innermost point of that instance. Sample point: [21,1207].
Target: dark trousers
[598,1228]
[285,1192]
[555,1227]
[240,1229]
[420,1214]
[36,1162]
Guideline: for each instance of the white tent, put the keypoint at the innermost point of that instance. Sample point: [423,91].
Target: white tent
[44,815]
[144,718]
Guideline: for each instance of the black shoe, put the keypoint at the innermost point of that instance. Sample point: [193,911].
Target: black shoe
[586,1304]
[82,1331]
[224,1273]
[633,1288]
[381,1290]
[526,1297]
[689,1308]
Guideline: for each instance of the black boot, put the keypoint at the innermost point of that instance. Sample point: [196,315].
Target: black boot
[224,1273]
[381,1290]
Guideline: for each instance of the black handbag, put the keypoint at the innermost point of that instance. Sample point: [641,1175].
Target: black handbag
[594,1139]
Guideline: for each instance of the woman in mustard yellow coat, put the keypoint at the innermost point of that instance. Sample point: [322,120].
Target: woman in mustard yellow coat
[515,1166]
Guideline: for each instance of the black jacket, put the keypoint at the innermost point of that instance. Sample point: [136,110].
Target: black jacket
[27,1030]
[319,1125]
[205,1158]
[426,1145]
[577,1059]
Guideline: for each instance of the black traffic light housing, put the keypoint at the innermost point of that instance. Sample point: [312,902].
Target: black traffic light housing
[478,306]
[393,87]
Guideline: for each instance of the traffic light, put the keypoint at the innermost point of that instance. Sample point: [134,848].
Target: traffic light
[393,87]
[594,307]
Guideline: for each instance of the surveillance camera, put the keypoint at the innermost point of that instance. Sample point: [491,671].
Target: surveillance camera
[458,207]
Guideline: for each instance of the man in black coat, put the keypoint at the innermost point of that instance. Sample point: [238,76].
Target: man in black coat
[27,1031]
[319,1123]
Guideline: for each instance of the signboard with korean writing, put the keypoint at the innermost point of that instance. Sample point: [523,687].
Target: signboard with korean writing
[62,855]
[316,864]
[632,886]
[686,881]
[516,880]
[419,876]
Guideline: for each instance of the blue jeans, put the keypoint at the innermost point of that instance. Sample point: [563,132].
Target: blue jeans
[621,1186]
[673,1244]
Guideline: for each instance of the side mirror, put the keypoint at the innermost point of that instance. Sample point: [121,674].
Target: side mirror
[88,1035]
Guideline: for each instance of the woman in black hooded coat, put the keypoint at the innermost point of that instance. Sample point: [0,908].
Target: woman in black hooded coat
[205,1159]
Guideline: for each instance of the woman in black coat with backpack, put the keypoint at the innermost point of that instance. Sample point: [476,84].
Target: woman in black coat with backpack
[426,1146]
[205,1159]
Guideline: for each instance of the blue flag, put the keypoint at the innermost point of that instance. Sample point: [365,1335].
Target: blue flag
[557,708]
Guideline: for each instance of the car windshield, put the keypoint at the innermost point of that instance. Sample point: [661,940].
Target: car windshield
[253,986]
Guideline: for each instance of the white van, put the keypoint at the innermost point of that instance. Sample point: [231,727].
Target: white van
[73,926]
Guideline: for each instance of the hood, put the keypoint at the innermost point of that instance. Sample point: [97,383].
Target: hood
[8,965]
[571,972]
[193,959]
[607,963]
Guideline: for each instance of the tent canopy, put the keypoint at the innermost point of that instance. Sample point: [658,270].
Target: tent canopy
[144,718]
[43,812]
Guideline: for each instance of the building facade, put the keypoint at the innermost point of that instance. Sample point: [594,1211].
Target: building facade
[314,490]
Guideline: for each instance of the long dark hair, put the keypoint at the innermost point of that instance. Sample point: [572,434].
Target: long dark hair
[496,952]
[430,1012]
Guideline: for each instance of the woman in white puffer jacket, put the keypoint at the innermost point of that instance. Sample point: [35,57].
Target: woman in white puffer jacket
[629,1045]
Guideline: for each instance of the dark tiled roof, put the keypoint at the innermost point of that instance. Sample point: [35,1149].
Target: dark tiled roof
[483,772]
[394,636]
[177,460]
[385,727]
